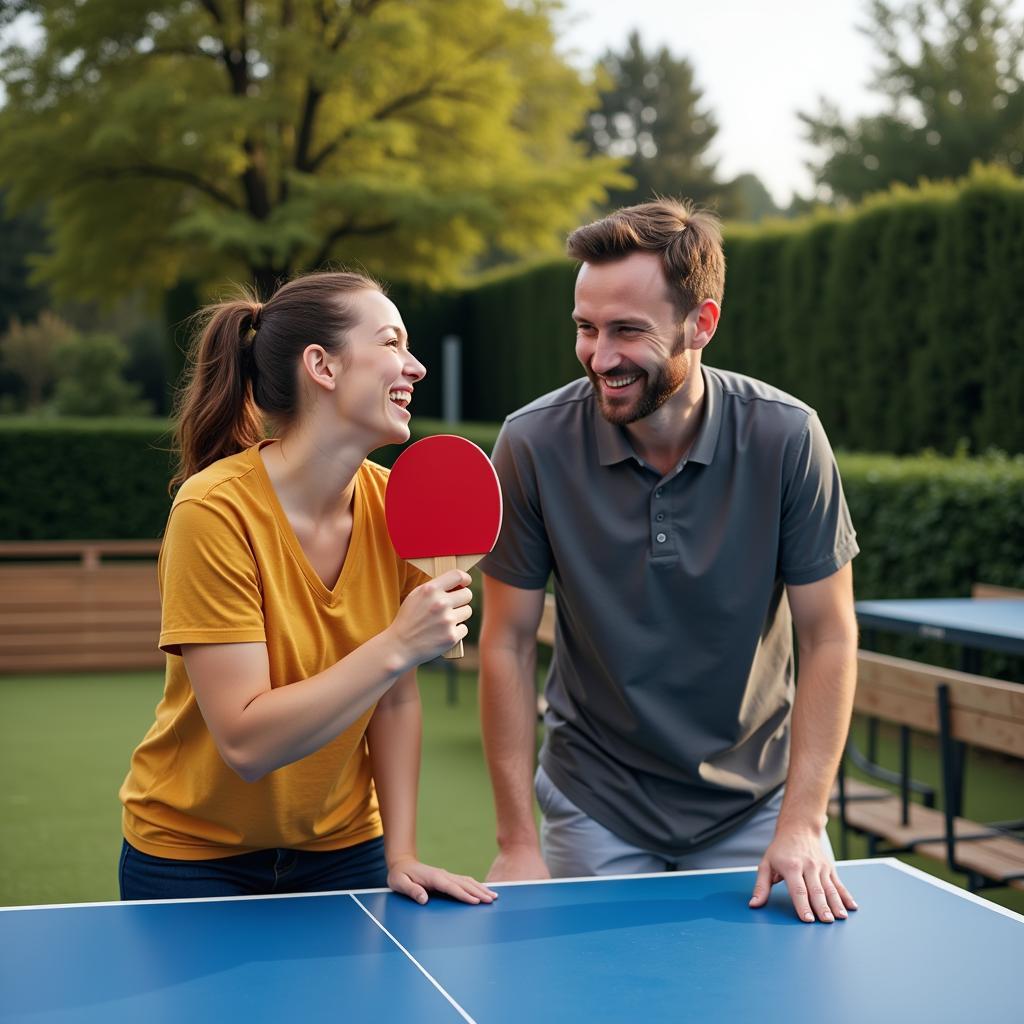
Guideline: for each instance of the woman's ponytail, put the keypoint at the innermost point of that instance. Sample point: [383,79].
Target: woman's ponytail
[216,413]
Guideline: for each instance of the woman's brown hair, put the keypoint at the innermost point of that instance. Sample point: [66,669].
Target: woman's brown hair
[242,366]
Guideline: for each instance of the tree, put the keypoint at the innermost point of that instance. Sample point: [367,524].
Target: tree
[90,379]
[951,71]
[651,113]
[753,199]
[20,238]
[29,352]
[215,139]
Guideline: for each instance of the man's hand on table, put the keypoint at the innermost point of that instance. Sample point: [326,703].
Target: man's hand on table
[518,864]
[795,857]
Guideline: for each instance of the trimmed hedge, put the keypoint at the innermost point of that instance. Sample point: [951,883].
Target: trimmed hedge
[106,479]
[901,321]
[84,479]
[927,525]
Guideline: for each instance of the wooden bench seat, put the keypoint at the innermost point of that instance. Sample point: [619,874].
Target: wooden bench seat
[67,606]
[990,591]
[924,825]
[962,710]
[999,858]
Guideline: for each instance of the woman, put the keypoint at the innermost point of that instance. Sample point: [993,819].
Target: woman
[292,629]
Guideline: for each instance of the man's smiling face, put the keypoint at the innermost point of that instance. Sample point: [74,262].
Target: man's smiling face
[629,336]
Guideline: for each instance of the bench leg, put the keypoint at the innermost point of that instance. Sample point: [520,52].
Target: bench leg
[844,841]
[975,881]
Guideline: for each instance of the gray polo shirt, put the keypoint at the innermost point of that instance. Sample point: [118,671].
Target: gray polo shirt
[672,682]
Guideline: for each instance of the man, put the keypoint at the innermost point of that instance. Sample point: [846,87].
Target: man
[691,518]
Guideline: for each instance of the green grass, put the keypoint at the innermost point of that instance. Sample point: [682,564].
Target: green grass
[64,753]
[66,742]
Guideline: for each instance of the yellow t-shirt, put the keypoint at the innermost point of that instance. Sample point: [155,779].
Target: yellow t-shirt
[232,571]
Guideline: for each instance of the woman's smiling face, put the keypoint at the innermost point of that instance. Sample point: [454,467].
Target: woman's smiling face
[377,372]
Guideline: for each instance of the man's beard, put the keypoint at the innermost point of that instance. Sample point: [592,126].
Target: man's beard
[656,392]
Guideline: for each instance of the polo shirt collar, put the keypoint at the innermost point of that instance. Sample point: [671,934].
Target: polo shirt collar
[706,441]
[612,441]
[613,445]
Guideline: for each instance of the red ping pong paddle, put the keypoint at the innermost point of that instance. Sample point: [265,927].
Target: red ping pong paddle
[443,506]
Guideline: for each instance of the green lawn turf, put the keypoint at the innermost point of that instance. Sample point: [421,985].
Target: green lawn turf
[65,743]
[64,751]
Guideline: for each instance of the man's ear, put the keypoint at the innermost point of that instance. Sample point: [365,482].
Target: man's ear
[706,323]
[318,367]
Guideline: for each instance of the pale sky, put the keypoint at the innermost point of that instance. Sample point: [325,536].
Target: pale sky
[757,64]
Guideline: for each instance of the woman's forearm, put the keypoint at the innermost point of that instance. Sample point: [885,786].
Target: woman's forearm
[393,737]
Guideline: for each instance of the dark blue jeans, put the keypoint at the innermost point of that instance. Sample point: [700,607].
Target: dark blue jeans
[144,877]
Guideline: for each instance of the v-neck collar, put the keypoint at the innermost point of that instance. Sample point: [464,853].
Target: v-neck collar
[329,595]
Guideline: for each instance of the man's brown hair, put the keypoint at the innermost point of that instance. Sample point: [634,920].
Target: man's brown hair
[688,240]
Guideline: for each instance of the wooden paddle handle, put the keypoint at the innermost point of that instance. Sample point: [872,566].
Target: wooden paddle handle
[443,564]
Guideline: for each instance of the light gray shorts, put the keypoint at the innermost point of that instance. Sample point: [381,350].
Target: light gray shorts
[574,845]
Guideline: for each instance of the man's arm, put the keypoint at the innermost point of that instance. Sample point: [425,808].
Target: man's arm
[826,631]
[508,712]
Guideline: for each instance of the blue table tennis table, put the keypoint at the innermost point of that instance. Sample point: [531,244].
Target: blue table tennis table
[649,948]
[981,624]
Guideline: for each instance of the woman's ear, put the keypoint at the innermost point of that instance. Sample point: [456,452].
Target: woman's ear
[318,366]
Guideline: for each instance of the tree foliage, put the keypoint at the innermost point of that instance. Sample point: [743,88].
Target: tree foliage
[652,114]
[950,71]
[30,352]
[753,200]
[20,237]
[214,139]
[90,379]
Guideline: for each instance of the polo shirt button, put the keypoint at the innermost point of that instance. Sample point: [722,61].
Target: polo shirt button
[662,538]
[657,493]
[660,516]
